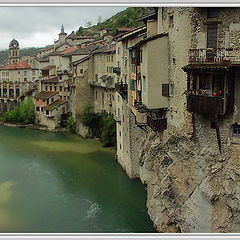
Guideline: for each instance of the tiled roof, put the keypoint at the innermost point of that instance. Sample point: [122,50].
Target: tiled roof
[82,51]
[53,80]
[44,95]
[17,65]
[108,48]
[68,50]
[54,104]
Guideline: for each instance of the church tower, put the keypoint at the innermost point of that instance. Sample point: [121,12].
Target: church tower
[62,35]
[13,52]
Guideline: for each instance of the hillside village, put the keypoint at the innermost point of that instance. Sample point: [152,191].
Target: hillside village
[171,85]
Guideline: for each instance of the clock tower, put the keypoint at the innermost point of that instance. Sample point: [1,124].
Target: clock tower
[13,52]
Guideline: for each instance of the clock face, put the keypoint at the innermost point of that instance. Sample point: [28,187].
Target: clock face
[14,45]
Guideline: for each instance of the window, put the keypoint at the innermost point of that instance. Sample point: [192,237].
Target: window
[118,50]
[107,69]
[45,88]
[64,97]
[212,30]
[52,100]
[47,112]
[118,98]
[42,109]
[236,130]
[103,99]
[25,73]
[44,100]
[96,94]
[212,12]
[60,88]
[171,21]
[55,88]
[112,58]
[37,109]
[120,133]
[144,85]
[81,71]
[50,88]
[33,72]
[96,77]
[141,56]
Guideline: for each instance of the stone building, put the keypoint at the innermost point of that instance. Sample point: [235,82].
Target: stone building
[190,167]
[102,78]
[127,150]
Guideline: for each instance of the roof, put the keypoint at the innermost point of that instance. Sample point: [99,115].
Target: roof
[105,77]
[150,16]
[53,80]
[14,42]
[107,48]
[148,39]
[131,33]
[49,67]
[72,35]
[82,50]
[80,60]
[55,104]
[68,50]
[44,95]
[16,66]
[124,29]
[207,67]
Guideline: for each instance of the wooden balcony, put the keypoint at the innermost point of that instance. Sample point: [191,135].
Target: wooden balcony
[214,56]
[157,124]
[206,105]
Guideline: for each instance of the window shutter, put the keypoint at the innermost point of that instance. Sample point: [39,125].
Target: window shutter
[132,84]
[165,90]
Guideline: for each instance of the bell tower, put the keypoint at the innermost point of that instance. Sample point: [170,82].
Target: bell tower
[62,35]
[13,52]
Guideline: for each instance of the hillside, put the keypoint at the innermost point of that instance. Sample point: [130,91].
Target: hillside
[25,51]
[125,18]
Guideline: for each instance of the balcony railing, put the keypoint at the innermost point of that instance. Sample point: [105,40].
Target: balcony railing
[206,105]
[214,55]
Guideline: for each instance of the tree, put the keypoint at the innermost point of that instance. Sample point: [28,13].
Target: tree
[99,19]
[88,24]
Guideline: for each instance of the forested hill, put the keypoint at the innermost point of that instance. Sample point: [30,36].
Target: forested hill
[125,18]
[24,51]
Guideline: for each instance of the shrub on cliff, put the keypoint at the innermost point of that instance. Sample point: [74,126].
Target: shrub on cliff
[91,120]
[108,135]
[71,125]
[24,113]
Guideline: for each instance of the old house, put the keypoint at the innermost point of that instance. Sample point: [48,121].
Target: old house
[102,79]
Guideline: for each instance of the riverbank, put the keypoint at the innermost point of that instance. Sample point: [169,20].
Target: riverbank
[33,126]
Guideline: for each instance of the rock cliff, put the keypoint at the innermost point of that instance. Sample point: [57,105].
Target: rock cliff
[191,187]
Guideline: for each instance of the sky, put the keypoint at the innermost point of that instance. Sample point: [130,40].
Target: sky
[40,26]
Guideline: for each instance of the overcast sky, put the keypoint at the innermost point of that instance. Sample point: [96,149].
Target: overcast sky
[39,26]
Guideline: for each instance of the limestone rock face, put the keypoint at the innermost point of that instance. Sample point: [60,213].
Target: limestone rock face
[191,187]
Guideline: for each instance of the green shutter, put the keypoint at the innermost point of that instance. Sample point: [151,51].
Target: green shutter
[132,84]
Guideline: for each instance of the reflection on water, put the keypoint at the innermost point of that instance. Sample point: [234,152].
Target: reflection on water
[57,182]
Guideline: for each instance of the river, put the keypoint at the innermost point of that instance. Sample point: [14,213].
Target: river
[59,182]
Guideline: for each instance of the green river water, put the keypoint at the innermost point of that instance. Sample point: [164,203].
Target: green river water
[58,182]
